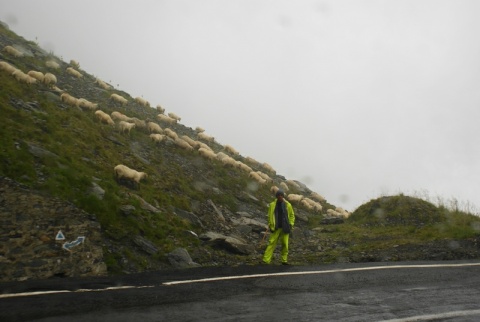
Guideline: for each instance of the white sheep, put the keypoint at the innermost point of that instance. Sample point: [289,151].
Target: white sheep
[183,144]
[104,117]
[317,196]
[13,51]
[50,79]
[284,186]
[39,76]
[157,137]
[268,167]
[160,109]
[203,145]
[257,177]
[125,127]
[166,119]
[294,197]
[229,161]
[122,171]
[311,204]
[244,167]
[117,116]
[75,64]
[292,183]
[230,149]
[265,176]
[154,128]
[190,141]
[102,84]
[142,101]
[141,124]
[205,137]
[274,189]
[9,69]
[52,64]
[69,99]
[252,161]
[199,129]
[175,116]
[74,72]
[170,133]
[23,78]
[86,104]
[209,154]
[119,99]
[221,155]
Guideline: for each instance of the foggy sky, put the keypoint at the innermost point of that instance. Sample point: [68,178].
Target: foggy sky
[356,99]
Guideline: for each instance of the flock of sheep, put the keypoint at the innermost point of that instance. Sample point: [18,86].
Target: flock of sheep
[125,124]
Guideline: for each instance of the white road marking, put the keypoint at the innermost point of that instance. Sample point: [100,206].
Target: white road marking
[75,291]
[212,279]
[429,317]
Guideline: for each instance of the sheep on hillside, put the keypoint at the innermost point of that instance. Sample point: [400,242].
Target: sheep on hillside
[69,99]
[125,127]
[13,51]
[23,78]
[154,128]
[86,104]
[230,149]
[205,137]
[175,116]
[183,144]
[294,197]
[122,171]
[50,79]
[166,119]
[209,154]
[39,76]
[75,64]
[52,64]
[160,109]
[190,141]
[257,177]
[292,183]
[9,69]
[104,117]
[142,101]
[102,84]
[199,129]
[170,133]
[74,72]
[268,167]
[274,189]
[119,99]
[317,196]
[117,116]
[141,124]
[157,137]
[244,167]
[284,186]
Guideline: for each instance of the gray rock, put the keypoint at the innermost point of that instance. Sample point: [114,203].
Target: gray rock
[146,245]
[180,258]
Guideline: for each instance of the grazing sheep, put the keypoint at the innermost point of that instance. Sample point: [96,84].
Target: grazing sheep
[230,149]
[244,167]
[265,176]
[125,127]
[252,161]
[50,79]
[74,72]
[102,84]
[141,124]
[13,51]
[190,141]
[183,144]
[209,154]
[198,129]
[203,145]
[345,214]
[75,64]
[294,197]
[86,104]
[170,133]
[119,99]
[9,69]
[166,119]
[23,78]
[175,116]
[142,101]
[284,186]
[257,177]
[122,171]
[269,168]
[221,155]
[104,117]
[117,116]
[292,183]
[157,137]
[52,64]
[58,90]
[39,76]
[154,128]
[317,197]
[274,189]
[160,109]
[69,99]
[229,161]
[311,204]
[205,137]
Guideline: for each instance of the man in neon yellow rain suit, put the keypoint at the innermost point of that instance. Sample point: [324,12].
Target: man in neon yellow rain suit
[281,219]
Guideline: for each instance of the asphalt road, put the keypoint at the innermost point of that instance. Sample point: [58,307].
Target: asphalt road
[413,291]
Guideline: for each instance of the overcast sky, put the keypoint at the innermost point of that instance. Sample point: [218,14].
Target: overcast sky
[356,99]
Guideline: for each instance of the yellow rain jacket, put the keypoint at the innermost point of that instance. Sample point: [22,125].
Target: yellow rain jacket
[271,214]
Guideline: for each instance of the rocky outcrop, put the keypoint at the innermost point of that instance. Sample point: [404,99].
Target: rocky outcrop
[42,237]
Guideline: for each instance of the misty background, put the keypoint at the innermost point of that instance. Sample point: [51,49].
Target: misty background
[354,98]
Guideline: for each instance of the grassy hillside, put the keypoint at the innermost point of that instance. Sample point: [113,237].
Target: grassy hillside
[62,150]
